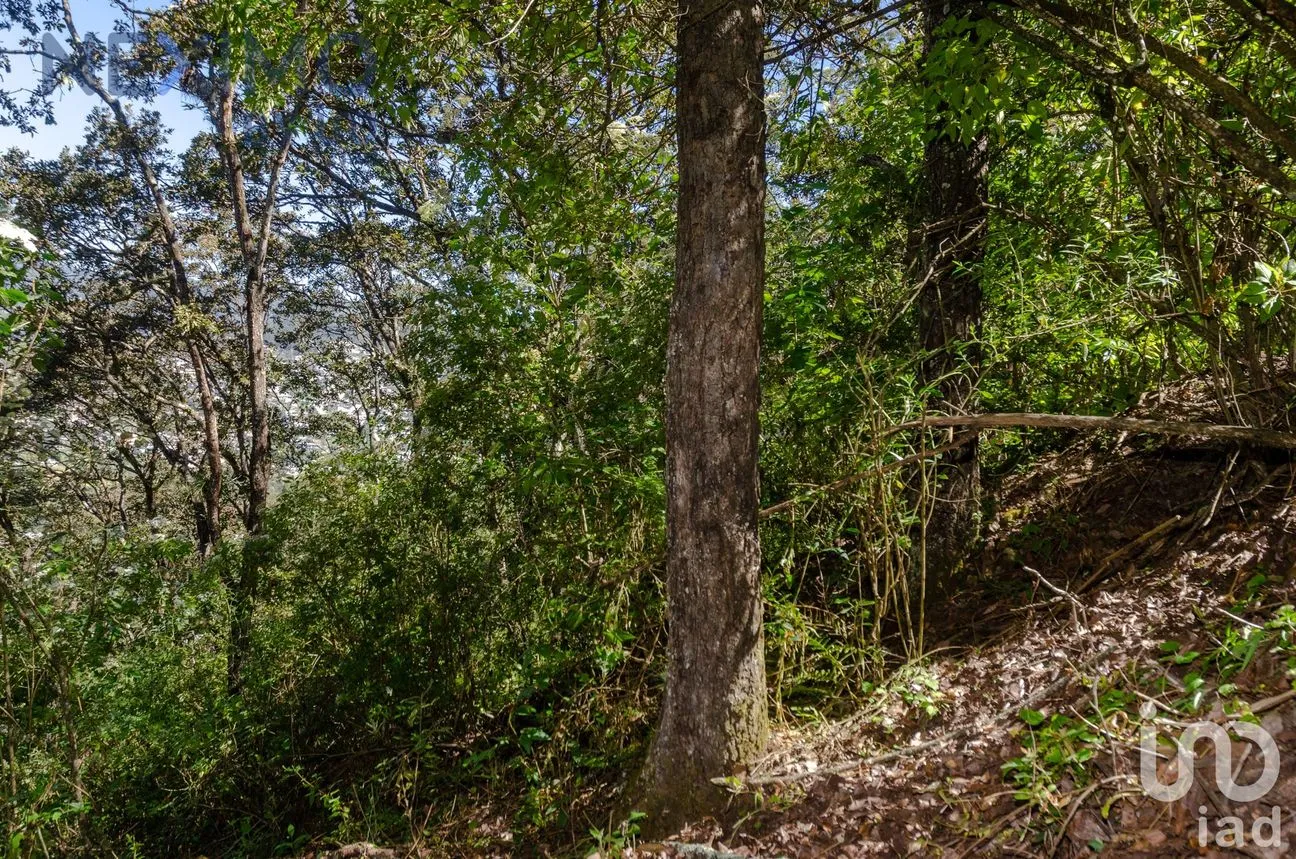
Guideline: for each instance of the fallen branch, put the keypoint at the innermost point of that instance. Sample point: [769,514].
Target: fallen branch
[1222,432]
[1065,594]
[1271,702]
[685,849]
[1105,566]
[1061,592]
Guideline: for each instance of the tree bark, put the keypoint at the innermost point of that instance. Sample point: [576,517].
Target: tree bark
[714,717]
[243,589]
[254,244]
[955,203]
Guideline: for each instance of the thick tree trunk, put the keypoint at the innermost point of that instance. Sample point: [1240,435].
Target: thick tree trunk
[954,204]
[714,716]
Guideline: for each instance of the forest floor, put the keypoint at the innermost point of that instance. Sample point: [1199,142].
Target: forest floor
[1121,575]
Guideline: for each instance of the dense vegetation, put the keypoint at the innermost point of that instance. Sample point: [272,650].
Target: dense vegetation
[410,566]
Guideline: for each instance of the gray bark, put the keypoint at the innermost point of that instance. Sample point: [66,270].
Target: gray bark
[714,718]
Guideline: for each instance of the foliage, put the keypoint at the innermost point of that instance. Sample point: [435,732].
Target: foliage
[469,272]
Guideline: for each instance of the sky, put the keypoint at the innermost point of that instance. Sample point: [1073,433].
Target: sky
[72,106]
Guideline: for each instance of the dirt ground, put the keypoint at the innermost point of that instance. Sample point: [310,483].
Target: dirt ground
[1126,582]
[1129,587]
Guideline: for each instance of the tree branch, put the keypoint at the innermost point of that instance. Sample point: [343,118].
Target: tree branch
[1221,432]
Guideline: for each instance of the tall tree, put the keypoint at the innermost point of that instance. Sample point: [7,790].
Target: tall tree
[207,515]
[714,715]
[954,203]
[254,243]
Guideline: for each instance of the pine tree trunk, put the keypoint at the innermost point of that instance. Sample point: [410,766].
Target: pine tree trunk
[953,244]
[714,715]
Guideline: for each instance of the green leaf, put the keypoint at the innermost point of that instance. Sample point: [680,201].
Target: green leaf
[1254,293]
[10,297]
[1034,718]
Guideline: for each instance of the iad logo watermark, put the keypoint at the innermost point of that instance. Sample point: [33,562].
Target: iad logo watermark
[1229,831]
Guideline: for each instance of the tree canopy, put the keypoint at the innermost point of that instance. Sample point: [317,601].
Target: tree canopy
[353,461]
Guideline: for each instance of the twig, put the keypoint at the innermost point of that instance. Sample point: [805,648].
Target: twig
[1065,594]
[1146,537]
[1075,808]
[1266,704]
[883,468]
[516,24]
[1230,615]
[998,826]
[1219,493]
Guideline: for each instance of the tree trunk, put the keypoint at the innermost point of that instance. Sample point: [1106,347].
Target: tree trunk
[1146,158]
[954,203]
[244,596]
[714,716]
[252,245]
[255,246]
[254,305]
[1238,247]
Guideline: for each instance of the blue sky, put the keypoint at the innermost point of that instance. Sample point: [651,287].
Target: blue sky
[71,105]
